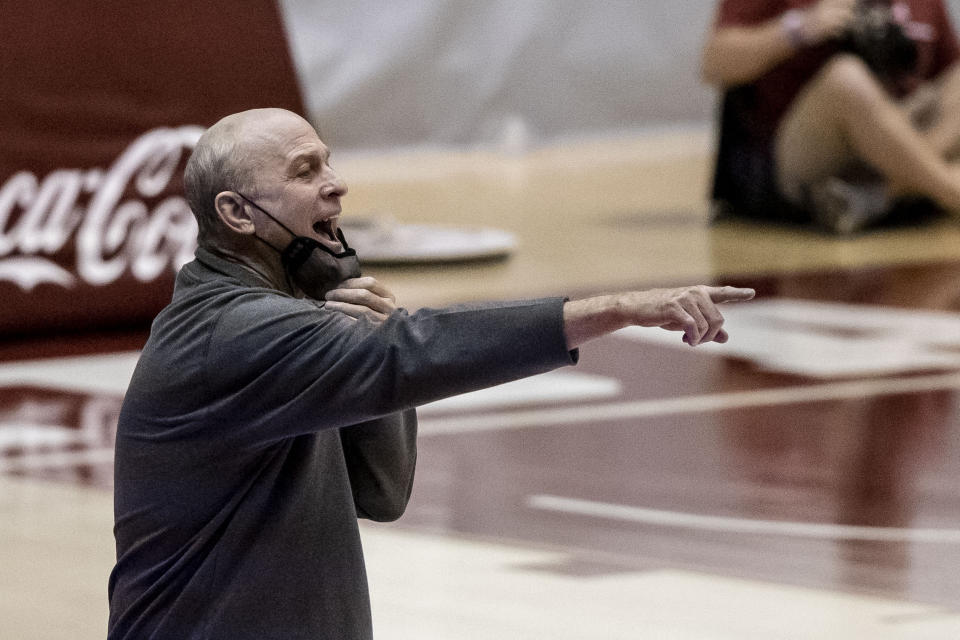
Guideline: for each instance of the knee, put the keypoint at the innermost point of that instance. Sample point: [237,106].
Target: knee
[847,79]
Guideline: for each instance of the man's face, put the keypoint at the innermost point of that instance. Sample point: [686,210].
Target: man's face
[295,180]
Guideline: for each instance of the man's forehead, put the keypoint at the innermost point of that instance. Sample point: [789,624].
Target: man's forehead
[283,134]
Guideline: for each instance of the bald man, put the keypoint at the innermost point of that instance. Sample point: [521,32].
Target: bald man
[273,403]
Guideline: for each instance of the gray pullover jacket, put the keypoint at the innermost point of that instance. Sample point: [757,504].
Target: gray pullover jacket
[258,427]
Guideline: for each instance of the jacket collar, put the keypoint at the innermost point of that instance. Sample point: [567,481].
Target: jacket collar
[230,268]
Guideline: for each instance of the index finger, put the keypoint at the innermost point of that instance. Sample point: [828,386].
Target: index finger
[730,294]
[366,282]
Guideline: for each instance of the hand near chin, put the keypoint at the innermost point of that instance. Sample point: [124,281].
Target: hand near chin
[362,297]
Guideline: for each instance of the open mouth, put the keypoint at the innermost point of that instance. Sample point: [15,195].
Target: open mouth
[326,228]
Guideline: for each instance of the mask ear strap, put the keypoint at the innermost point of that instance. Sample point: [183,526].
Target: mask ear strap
[343,240]
[267,213]
[283,253]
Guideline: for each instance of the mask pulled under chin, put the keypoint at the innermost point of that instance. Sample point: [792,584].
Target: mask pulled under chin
[312,267]
[315,269]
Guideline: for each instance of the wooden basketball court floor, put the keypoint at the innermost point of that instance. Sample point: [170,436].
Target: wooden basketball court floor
[802,481]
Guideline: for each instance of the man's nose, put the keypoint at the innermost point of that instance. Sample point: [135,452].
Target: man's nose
[333,184]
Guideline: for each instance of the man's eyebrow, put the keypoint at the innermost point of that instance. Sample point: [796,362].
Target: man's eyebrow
[309,156]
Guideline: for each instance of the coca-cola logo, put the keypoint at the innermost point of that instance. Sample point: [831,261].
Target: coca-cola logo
[38,219]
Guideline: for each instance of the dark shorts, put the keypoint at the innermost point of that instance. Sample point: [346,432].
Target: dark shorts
[745,178]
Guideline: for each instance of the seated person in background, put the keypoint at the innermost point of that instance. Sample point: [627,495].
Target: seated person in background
[835,110]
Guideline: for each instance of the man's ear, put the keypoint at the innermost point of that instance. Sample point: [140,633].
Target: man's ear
[232,213]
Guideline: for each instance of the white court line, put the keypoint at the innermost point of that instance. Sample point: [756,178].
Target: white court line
[604,412]
[102,373]
[56,460]
[829,340]
[31,436]
[692,404]
[820,531]
[111,373]
[558,386]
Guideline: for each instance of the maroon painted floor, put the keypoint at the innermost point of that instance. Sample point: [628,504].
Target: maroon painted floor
[887,462]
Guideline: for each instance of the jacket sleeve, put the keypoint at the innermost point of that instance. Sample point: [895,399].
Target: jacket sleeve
[381,456]
[279,367]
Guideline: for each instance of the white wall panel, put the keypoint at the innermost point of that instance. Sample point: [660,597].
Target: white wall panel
[457,72]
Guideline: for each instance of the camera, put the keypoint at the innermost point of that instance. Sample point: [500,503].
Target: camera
[880,41]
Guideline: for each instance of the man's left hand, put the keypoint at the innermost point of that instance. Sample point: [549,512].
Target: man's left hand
[358,297]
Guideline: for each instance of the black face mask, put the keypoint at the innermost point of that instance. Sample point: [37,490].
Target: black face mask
[312,267]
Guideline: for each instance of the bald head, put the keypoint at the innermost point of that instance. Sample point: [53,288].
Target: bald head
[228,157]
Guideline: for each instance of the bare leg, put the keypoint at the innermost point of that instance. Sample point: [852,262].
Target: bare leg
[936,112]
[843,115]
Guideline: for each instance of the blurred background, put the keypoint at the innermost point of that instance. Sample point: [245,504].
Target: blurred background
[581,129]
[504,74]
